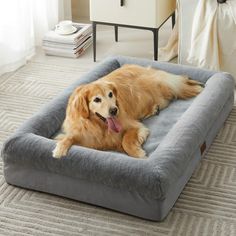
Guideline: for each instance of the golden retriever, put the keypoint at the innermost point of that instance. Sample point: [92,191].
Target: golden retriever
[106,114]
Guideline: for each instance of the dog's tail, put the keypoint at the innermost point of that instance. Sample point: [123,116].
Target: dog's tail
[190,88]
[183,87]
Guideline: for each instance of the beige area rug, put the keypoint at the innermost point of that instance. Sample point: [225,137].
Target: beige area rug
[207,205]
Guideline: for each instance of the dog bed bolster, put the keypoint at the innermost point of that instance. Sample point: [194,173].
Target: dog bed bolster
[152,178]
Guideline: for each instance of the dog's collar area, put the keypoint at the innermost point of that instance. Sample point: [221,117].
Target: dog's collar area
[101,117]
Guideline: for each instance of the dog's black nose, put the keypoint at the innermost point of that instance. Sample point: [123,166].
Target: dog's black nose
[113,111]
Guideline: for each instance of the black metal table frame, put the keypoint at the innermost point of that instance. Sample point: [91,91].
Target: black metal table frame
[154,30]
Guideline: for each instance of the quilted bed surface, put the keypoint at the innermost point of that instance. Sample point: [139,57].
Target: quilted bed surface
[160,125]
[176,134]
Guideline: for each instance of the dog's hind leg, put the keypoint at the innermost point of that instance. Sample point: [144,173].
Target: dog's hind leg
[62,147]
[155,110]
[133,139]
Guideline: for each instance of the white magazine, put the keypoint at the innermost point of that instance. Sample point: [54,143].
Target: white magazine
[50,44]
[69,53]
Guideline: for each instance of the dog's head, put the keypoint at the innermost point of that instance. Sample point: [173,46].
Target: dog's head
[100,99]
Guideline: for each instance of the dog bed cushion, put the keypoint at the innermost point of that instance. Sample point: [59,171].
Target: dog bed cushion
[148,188]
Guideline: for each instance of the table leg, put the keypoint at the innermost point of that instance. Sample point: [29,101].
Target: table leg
[173,19]
[155,43]
[116,33]
[94,41]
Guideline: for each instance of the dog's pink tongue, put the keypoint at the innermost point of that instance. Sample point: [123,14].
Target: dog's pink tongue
[114,124]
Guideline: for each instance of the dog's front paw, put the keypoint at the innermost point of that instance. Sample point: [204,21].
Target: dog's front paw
[59,151]
[140,154]
[143,134]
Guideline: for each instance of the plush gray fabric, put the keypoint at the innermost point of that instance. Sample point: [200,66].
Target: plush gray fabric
[160,125]
[176,136]
[103,195]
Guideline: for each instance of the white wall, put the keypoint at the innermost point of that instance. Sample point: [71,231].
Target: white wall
[65,12]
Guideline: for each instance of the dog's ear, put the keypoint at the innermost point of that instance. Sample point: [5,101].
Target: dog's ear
[113,88]
[78,103]
[82,105]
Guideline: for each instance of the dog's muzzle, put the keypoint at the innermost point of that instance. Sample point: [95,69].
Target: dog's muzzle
[113,111]
[101,117]
[112,121]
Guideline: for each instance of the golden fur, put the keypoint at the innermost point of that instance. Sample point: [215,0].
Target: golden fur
[135,93]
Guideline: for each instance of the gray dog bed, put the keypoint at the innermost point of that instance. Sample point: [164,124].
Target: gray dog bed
[180,136]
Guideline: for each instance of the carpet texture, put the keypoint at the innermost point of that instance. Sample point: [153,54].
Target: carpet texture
[207,205]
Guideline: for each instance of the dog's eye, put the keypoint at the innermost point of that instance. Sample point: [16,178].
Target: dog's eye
[110,95]
[97,99]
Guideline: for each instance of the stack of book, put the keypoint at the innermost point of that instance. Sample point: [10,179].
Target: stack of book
[72,45]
